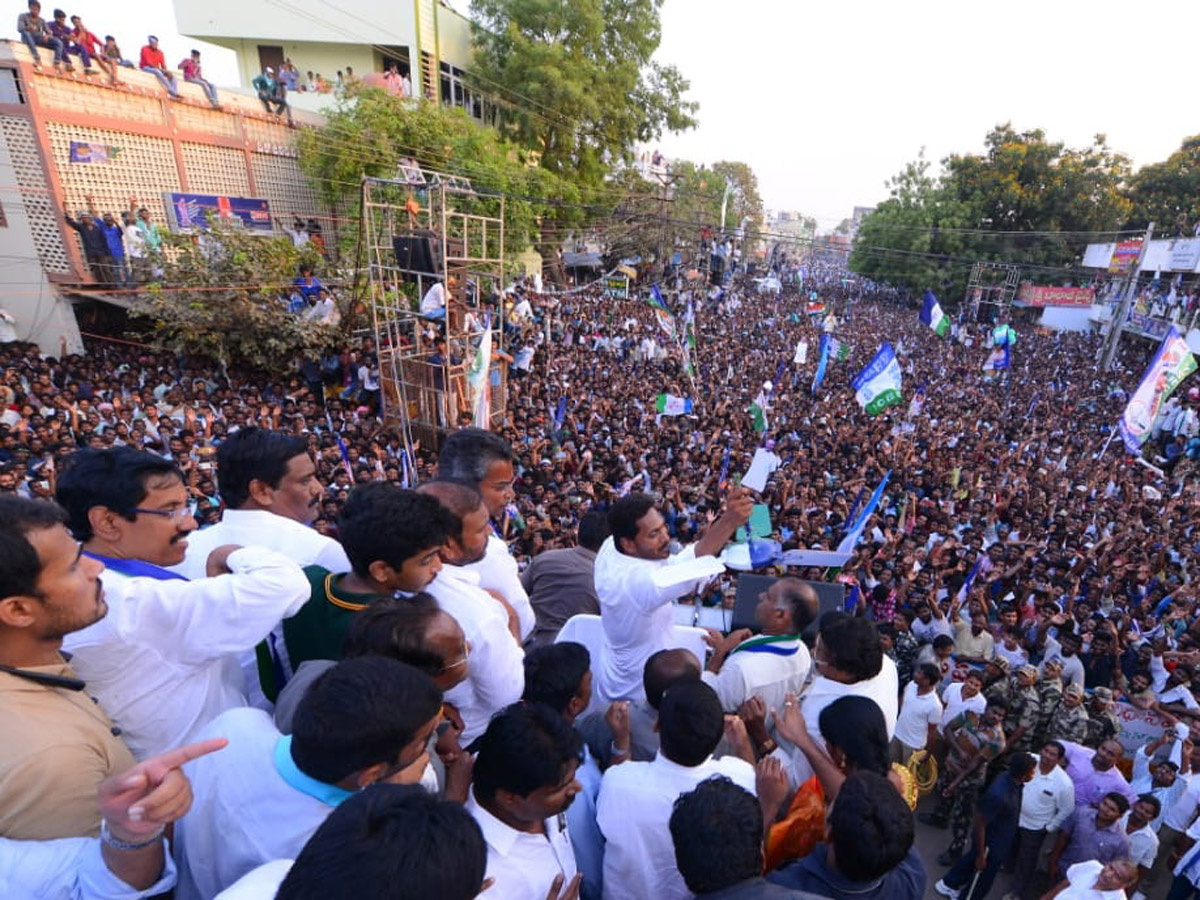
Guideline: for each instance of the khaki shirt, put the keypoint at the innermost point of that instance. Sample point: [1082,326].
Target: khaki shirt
[58,746]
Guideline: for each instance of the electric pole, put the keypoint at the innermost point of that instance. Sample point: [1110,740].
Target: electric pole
[1117,323]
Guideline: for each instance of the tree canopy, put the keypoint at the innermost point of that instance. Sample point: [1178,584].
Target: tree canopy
[1168,193]
[1025,199]
[575,81]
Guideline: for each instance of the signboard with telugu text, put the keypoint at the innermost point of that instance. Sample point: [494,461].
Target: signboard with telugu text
[1138,726]
[1185,255]
[1045,295]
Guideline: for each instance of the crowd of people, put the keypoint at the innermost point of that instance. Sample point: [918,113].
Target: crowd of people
[240,604]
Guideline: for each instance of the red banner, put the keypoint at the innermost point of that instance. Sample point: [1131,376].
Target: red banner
[1041,295]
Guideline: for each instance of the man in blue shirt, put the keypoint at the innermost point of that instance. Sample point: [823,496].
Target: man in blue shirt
[993,831]
[114,234]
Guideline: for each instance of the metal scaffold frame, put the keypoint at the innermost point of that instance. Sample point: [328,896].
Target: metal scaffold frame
[420,229]
[992,284]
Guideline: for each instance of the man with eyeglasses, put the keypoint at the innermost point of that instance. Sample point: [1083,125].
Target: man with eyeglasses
[163,661]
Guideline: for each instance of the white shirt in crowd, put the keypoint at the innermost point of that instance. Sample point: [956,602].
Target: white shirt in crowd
[1189,863]
[634,812]
[1081,883]
[746,673]
[917,712]
[523,865]
[1047,799]
[1143,845]
[636,617]
[244,812]
[498,572]
[953,703]
[258,528]
[884,689]
[1180,814]
[925,633]
[496,673]
[434,299]
[67,869]
[163,662]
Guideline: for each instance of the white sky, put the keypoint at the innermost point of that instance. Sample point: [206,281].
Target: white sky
[826,100]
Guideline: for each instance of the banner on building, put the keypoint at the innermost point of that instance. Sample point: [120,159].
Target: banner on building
[194,212]
[1043,295]
[87,152]
[1124,256]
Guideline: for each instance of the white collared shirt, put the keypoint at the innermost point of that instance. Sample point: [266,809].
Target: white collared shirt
[748,673]
[636,616]
[258,528]
[498,572]
[954,704]
[496,669]
[1143,846]
[1047,799]
[244,813]
[259,884]
[523,865]
[1081,883]
[67,869]
[163,660]
[634,812]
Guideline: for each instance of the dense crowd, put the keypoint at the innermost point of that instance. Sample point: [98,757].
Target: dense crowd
[403,721]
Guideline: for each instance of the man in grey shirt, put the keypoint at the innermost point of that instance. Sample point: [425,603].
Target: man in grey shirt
[561,583]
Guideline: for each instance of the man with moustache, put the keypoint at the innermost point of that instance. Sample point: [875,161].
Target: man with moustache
[635,612]
[268,482]
[497,674]
[58,745]
[163,662]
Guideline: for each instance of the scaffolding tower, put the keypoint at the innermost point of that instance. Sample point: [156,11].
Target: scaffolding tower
[422,229]
[991,290]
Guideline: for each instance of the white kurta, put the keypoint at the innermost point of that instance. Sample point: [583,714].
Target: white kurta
[163,662]
[636,616]
[498,572]
[748,673]
[496,670]
[67,869]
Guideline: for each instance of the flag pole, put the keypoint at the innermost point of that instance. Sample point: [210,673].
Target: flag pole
[1103,449]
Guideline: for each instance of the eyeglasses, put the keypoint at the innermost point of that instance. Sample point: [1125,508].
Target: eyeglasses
[175,515]
[462,662]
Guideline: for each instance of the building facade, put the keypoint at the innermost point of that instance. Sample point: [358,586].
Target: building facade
[427,40]
[70,142]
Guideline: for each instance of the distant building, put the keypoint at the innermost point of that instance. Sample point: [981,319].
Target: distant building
[426,40]
[65,138]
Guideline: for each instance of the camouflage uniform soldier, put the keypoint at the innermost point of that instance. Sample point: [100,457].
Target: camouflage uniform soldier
[996,680]
[1024,711]
[975,740]
[1103,724]
[1050,690]
[1069,722]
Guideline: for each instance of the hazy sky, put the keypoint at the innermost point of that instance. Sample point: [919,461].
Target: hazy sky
[826,100]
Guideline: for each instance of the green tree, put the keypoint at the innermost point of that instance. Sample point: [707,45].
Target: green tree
[1168,193]
[575,80]
[368,134]
[1025,200]
[219,296]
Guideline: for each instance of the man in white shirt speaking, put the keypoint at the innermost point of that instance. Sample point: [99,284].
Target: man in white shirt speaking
[635,612]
